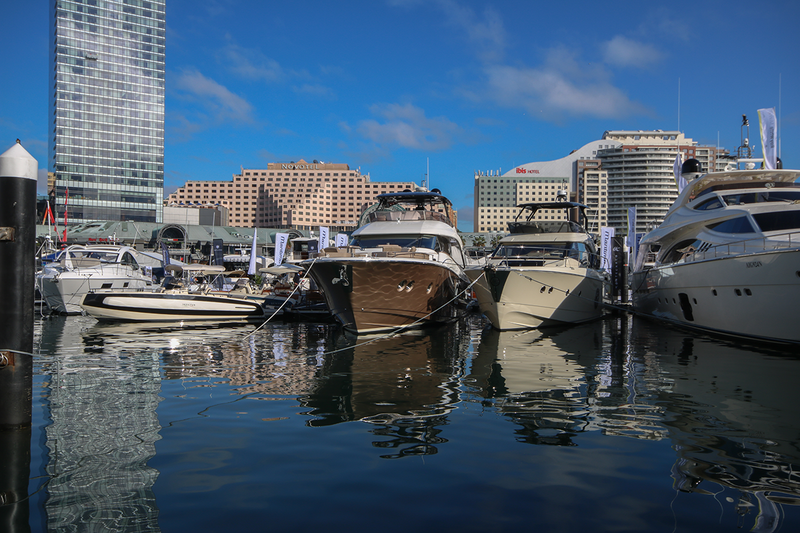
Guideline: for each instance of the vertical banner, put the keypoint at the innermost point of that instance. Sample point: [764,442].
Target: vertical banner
[66,201]
[341,240]
[630,240]
[606,236]
[769,135]
[219,255]
[251,269]
[680,181]
[164,254]
[281,240]
[324,234]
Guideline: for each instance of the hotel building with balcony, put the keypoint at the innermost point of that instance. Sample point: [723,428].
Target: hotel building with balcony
[298,195]
[640,173]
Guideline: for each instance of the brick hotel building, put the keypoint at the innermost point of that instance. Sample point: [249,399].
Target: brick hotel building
[297,195]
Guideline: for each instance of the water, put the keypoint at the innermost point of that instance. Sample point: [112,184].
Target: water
[617,425]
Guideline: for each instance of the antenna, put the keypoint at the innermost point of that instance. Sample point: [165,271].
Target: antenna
[679,104]
[779,116]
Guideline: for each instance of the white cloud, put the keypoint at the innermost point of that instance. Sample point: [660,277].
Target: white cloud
[486,31]
[560,86]
[315,90]
[252,64]
[623,52]
[408,127]
[211,98]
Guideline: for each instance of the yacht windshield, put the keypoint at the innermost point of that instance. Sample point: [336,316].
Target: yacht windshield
[576,250]
[763,196]
[404,241]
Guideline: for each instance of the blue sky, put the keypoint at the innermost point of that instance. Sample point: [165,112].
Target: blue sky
[396,85]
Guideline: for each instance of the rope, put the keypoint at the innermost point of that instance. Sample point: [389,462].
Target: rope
[402,328]
[4,359]
[308,270]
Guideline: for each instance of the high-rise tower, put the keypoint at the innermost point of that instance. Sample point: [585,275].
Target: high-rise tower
[106,129]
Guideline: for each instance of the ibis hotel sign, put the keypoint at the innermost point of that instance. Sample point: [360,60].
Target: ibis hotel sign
[527,171]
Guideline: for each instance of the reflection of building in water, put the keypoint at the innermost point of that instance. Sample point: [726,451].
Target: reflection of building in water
[405,385]
[103,432]
[278,359]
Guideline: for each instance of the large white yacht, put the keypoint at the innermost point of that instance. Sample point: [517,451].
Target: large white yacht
[404,266]
[79,269]
[546,272]
[727,256]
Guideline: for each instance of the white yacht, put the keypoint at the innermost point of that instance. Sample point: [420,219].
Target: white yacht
[546,272]
[79,269]
[727,256]
[404,266]
[186,295]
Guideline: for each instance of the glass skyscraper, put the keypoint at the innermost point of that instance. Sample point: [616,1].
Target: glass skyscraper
[107,108]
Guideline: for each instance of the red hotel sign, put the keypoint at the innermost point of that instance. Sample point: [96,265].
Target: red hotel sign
[528,171]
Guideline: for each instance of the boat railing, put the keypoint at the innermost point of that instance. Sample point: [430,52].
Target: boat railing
[385,250]
[410,215]
[783,241]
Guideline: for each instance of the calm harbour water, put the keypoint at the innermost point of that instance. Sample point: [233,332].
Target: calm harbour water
[617,425]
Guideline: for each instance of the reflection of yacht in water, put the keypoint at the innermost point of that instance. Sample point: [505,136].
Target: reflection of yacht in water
[405,385]
[538,379]
[730,425]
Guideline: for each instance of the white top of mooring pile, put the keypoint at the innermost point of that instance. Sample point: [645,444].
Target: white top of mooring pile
[16,162]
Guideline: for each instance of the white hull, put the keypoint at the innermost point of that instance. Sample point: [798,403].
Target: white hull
[753,295]
[63,293]
[522,298]
[169,306]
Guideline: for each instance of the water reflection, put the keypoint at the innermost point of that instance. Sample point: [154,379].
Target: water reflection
[731,421]
[404,384]
[716,415]
[102,432]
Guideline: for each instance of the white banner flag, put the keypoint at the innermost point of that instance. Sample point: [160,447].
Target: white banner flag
[323,238]
[251,269]
[606,238]
[680,181]
[769,136]
[341,240]
[281,240]
[630,241]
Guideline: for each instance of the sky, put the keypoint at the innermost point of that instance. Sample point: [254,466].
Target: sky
[405,88]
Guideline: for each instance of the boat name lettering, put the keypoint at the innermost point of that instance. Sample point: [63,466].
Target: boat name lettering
[287,166]
[754,264]
[527,171]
